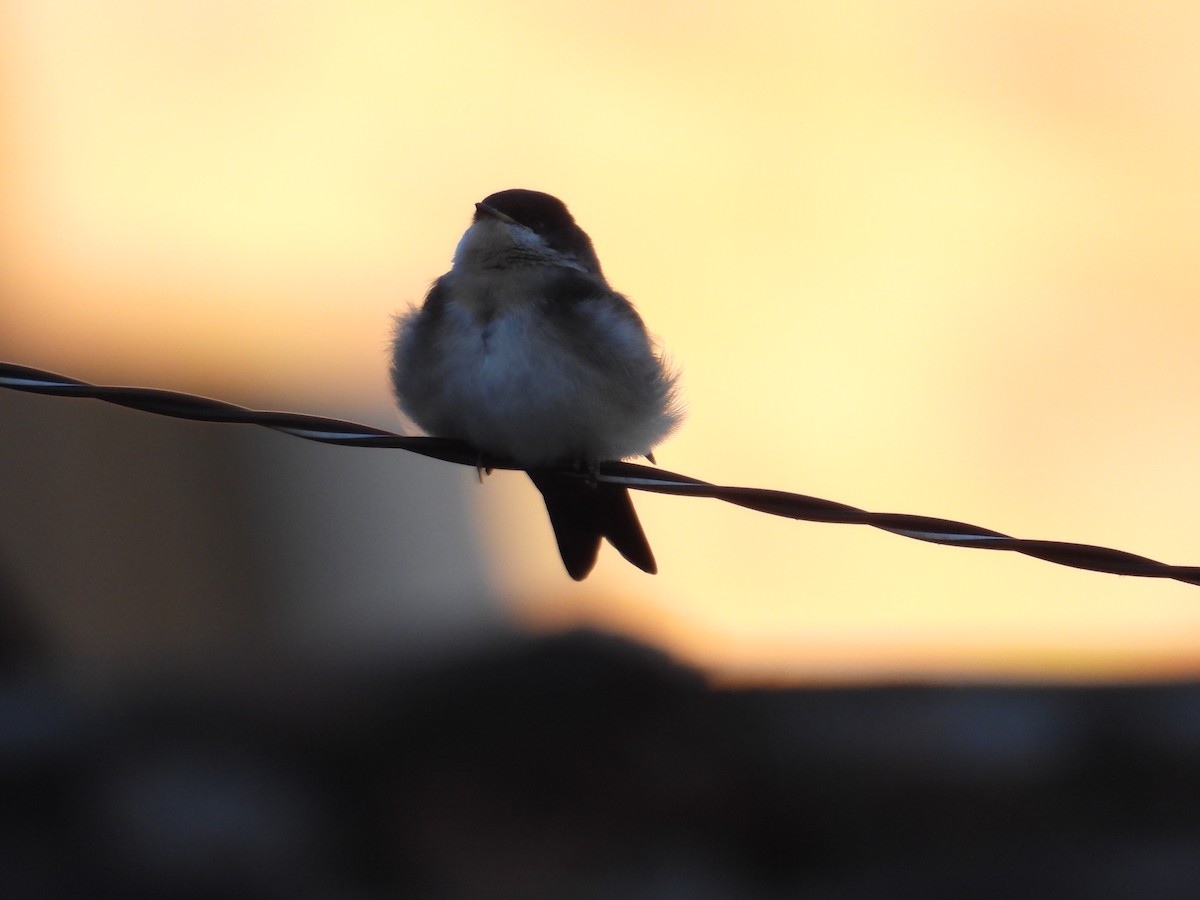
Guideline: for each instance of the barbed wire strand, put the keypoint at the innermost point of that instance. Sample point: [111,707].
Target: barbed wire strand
[777,503]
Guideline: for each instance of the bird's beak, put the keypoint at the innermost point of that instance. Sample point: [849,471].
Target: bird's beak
[492,212]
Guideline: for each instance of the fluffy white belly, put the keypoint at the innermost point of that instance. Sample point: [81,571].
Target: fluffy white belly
[515,387]
[521,393]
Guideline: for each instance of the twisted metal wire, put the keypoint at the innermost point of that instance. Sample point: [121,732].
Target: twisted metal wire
[777,503]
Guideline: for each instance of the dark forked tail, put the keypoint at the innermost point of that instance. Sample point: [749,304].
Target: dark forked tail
[583,513]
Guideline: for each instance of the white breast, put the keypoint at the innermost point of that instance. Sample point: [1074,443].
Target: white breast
[510,384]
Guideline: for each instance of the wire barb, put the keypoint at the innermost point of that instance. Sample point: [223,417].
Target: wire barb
[642,478]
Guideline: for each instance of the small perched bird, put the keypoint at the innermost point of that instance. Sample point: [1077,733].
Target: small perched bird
[524,351]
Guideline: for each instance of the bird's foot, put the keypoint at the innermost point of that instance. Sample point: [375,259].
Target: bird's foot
[481,470]
[589,470]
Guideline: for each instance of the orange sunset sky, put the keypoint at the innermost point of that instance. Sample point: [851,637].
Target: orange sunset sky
[921,257]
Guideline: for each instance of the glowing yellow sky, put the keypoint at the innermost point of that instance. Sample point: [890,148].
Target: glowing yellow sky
[922,257]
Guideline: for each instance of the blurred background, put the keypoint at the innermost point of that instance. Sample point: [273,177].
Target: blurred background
[913,257]
[918,257]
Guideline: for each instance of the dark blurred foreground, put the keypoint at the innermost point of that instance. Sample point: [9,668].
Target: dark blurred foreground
[585,766]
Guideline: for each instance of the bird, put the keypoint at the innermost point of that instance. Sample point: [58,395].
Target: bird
[524,351]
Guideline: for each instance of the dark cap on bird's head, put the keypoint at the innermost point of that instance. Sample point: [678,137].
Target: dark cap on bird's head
[546,216]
